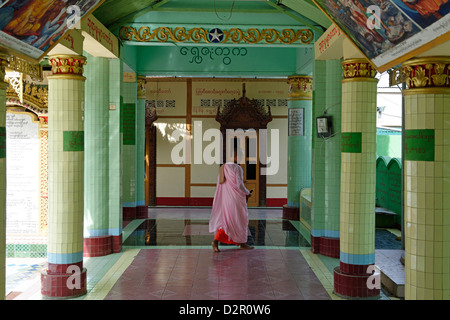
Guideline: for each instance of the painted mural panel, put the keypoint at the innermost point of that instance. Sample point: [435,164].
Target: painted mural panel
[33,27]
[389,32]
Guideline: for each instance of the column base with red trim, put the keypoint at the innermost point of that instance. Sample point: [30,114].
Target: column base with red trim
[354,282]
[97,246]
[329,247]
[129,213]
[63,281]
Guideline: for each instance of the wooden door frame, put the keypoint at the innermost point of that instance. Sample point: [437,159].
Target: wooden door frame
[244,113]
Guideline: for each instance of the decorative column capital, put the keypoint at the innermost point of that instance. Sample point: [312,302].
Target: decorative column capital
[300,87]
[67,67]
[358,70]
[141,81]
[427,75]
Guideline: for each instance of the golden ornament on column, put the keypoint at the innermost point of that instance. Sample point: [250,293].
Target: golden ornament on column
[358,70]
[141,81]
[427,75]
[67,67]
[300,87]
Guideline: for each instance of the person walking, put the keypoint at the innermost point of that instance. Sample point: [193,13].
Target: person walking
[229,214]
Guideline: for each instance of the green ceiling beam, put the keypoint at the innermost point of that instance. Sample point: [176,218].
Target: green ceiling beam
[309,10]
[112,10]
[130,17]
[295,17]
[185,10]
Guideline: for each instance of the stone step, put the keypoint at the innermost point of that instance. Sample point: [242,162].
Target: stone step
[392,271]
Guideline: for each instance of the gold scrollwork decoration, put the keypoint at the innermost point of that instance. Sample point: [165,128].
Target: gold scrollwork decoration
[23,66]
[430,73]
[233,35]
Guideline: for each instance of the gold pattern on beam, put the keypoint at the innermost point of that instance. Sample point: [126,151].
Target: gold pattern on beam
[23,66]
[35,97]
[233,35]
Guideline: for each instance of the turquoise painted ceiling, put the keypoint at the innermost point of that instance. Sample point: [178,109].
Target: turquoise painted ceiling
[173,59]
[116,13]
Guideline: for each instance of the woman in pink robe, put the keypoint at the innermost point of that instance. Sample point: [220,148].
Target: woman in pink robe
[229,215]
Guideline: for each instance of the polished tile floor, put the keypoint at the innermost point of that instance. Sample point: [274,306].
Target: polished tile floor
[169,257]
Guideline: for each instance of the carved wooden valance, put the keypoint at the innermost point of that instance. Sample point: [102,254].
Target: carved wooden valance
[243,113]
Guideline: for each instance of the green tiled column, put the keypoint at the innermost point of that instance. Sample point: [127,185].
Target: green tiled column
[128,126]
[65,177]
[3,86]
[115,154]
[299,143]
[427,179]
[96,164]
[326,159]
[357,200]
[141,208]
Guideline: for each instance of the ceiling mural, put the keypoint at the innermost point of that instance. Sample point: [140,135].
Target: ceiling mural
[30,28]
[388,32]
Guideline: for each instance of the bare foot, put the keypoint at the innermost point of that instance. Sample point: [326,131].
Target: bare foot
[246,246]
[215,246]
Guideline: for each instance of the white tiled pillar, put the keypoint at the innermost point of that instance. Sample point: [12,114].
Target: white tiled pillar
[65,275]
[357,200]
[427,178]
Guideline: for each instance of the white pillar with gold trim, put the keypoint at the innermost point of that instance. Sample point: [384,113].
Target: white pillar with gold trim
[427,178]
[65,276]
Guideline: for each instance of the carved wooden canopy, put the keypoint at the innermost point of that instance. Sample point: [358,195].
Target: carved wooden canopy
[243,113]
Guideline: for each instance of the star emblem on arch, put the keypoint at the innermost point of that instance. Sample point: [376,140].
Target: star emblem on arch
[215,35]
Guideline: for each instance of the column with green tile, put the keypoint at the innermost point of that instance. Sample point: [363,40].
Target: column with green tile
[128,129]
[3,86]
[65,179]
[326,158]
[141,208]
[115,154]
[299,143]
[357,195]
[97,240]
[427,178]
